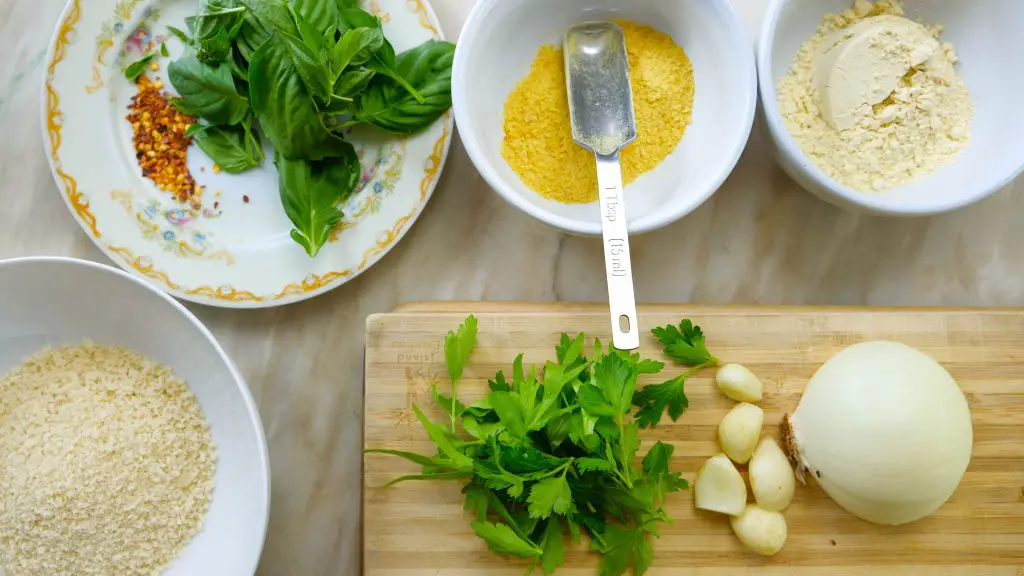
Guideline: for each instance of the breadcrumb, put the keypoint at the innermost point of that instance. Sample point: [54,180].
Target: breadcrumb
[106,464]
[538,142]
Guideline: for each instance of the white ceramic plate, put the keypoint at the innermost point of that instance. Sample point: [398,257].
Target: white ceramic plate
[55,301]
[243,257]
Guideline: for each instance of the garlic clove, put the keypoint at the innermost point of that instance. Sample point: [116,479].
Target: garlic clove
[771,477]
[739,432]
[760,530]
[719,487]
[739,383]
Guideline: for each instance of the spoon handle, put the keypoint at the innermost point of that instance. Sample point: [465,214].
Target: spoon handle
[618,268]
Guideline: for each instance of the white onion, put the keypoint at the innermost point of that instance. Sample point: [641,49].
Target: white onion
[885,431]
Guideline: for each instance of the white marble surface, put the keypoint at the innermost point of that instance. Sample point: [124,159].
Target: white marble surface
[759,240]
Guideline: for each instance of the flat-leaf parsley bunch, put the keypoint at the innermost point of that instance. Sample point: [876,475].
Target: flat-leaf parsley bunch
[554,453]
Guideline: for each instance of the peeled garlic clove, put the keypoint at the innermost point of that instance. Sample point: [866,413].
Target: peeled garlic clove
[739,383]
[719,487]
[760,530]
[771,477]
[739,432]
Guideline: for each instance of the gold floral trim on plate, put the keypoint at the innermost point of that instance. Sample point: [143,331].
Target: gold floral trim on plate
[105,41]
[54,121]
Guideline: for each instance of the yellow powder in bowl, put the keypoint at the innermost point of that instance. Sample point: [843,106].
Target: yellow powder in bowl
[538,142]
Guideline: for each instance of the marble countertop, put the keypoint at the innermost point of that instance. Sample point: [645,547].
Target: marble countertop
[760,239]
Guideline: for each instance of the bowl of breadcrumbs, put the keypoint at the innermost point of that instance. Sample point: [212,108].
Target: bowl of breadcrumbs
[129,443]
[694,85]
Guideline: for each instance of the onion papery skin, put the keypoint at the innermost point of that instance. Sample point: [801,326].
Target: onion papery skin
[885,431]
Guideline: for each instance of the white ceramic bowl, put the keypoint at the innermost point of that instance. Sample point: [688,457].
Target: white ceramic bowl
[499,42]
[987,37]
[63,301]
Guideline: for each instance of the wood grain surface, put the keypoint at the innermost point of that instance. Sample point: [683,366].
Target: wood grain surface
[420,528]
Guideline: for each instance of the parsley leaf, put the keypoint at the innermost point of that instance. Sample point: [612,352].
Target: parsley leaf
[652,401]
[554,550]
[568,351]
[617,379]
[510,411]
[457,348]
[436,463]
[478,500]
[622,547]
[503,540]
[550,496]
[685,344]
[440,437]
[563,446]
[593,464]
[650,366]
[432,476]
[657,459]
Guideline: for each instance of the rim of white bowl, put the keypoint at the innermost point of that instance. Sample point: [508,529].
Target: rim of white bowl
[471,140]
[236,376]
[788,147]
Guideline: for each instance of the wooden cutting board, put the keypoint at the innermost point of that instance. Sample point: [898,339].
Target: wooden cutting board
[420,528]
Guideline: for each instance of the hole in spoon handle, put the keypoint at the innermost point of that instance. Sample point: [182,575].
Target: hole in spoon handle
[618,267]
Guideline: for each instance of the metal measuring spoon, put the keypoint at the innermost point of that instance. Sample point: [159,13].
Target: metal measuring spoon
[603,121]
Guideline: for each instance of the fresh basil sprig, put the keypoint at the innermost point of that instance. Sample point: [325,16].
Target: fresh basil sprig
[302,73]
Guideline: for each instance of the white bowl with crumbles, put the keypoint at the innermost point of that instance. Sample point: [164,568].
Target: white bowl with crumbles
[694,87]
[129,442]
[899,108]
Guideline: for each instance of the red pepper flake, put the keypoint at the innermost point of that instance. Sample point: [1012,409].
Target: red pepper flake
[161,147]
[216,205]
[245,199]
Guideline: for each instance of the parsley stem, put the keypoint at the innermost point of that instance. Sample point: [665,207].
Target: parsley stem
[455,390]
[694,369]
[622,450]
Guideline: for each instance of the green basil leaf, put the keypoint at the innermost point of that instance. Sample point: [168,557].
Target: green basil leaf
[356,47]
[352,16]
[137,68]
[261,20]
[353,82]
[181,35]
[308,34]
[215,28]
[228,147]
[195,129]
[386,105]
[208,91]
[163,50]
[320,14]
[311,193]
[287,114]
[309,67]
